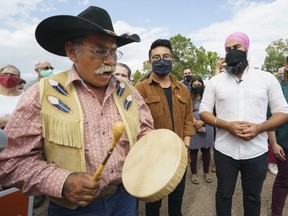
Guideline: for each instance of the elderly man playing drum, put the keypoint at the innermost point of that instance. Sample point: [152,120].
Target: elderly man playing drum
[171,107]
[62,128]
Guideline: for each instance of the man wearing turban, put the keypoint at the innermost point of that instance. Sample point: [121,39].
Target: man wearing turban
[241,95]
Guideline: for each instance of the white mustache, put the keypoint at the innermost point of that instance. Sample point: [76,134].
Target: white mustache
[106,68]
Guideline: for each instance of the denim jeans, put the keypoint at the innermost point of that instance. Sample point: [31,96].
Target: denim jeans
[253,173]
[119,204]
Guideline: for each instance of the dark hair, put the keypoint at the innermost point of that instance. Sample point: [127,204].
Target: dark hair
[22,81]
[286,60]
[159,43]
[126,67]
[199,79]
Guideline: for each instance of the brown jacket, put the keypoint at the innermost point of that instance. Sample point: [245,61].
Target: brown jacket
[155,98]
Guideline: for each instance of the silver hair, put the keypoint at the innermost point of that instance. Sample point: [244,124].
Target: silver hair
[38,63]
[10,66]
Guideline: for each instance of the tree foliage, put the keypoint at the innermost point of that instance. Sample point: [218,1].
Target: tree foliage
[187,55]
[276,54]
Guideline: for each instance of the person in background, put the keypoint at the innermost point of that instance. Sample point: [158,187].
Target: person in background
[241,96]
[280,73]
[278,140]
[204,138]
[67,122]
[9,97]
[272,165]
[43,68]
[21,84]
[132,80]
[9,94]
[170,104]
[219,67]
[187,78]
[123,72]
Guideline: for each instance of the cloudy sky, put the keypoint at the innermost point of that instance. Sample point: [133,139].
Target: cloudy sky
[206,22]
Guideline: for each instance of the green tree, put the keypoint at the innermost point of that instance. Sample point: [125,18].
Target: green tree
[187,55]
[276,54]
[140,74]
[184,53]
[137,75]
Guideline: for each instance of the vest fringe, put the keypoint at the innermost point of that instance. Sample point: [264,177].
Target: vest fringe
[61,131]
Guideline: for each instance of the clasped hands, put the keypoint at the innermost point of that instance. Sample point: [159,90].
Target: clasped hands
[198,125]
[243,130]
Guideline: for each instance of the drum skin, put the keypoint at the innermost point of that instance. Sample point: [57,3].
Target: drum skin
[155,165]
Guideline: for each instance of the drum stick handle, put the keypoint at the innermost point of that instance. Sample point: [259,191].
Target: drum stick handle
[118,131]
[98,172]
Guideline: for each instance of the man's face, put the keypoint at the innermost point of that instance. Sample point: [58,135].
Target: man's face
[161,61]
[92,62]
[43,66]
[187,72]
[121,73]
[236,58]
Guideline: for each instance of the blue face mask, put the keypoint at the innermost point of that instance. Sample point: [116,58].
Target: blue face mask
[46,73]
[162,67]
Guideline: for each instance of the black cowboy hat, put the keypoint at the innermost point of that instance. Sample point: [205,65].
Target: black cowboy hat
[53,32]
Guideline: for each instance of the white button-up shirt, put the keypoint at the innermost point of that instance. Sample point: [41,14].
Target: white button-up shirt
[246,100]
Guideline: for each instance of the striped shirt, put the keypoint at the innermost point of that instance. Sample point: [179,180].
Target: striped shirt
[22,164]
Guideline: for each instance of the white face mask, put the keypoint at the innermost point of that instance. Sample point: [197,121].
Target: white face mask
[46,73]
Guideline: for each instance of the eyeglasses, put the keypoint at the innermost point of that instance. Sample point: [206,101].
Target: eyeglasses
[47,68]
[103,53]
[157,58]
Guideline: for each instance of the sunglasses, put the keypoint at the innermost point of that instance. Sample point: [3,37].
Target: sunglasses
[47,68]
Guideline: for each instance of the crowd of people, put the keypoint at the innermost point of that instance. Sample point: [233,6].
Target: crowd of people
[68,119]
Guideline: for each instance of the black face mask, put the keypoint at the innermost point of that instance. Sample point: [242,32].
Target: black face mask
[236,61]
[188,78]
[198,89]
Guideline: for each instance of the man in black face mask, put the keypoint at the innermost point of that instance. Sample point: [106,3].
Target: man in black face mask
[187,74]
[236,46]
[241,96]
[170,104]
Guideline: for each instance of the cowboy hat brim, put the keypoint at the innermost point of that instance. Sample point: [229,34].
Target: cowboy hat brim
[53,32]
